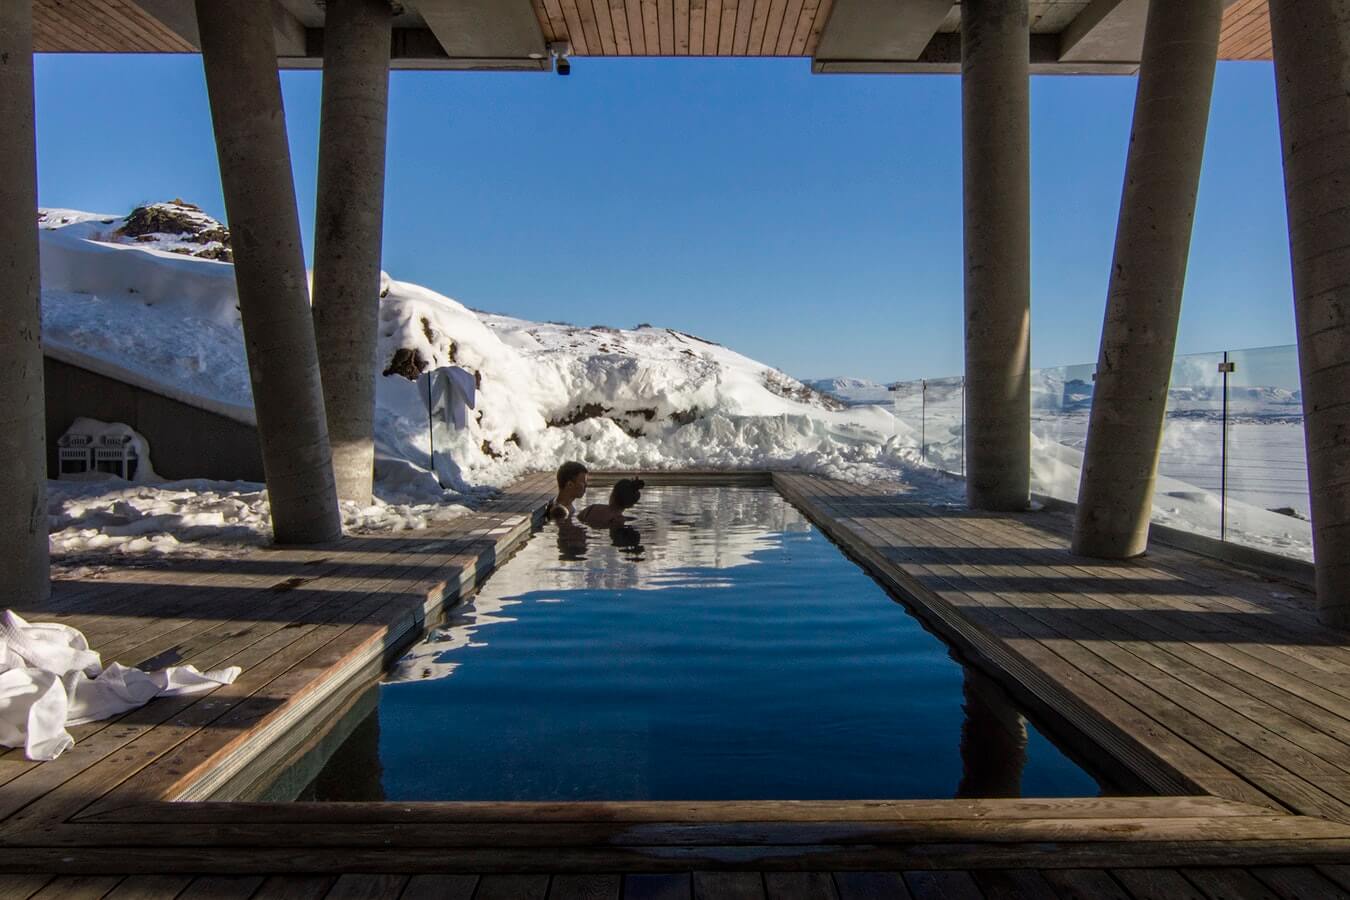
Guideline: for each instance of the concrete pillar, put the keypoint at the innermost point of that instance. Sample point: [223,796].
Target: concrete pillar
[1312,74]
[23,443]
[1153,241]
[995,107]
[348,228]
[239,55]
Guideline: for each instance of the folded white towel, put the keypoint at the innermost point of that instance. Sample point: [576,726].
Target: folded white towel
[49,679]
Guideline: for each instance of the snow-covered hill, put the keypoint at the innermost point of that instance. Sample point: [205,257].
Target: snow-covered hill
[144,305]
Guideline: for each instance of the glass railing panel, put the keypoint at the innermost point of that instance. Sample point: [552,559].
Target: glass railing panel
[944,424]
[1061,398]
[1266,485]
[1190,470]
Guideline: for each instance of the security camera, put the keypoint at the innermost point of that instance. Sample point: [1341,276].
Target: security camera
[560,51]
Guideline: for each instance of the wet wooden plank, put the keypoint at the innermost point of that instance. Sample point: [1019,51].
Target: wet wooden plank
[1014,884]
[870,886]
[662,886]
[728,886]
[295,887]
[1300,883]
[1157,884]
[367,887]
[584,887]
[799,886]
[1084,884]
[942,886]
[512,887]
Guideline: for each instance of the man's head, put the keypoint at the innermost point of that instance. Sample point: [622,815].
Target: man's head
[571,480]
[626,493]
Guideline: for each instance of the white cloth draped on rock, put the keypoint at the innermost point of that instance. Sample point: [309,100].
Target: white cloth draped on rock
[49,679]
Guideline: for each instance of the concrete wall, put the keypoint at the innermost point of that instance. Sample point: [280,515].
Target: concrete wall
[185,442]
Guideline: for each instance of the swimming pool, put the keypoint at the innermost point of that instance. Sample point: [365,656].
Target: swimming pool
[719,648]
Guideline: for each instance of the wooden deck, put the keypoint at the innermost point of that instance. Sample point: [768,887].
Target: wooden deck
[1184,676]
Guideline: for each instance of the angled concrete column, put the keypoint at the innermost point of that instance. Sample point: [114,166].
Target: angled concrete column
[23,445]
[239,55]
[995,87]
[1153,241]
[349,223]
[1312,74]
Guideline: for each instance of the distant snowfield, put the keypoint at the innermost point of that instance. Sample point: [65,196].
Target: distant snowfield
[145,310]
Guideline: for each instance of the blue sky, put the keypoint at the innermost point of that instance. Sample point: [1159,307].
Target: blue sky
[811,222]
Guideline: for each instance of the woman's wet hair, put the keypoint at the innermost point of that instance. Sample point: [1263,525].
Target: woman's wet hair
[626,492]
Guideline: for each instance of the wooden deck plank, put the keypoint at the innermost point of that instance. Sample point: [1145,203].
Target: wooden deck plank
[150,887]
[728,886]
[1014,884]
[799,886]
[295,887]
[78,887]
[870,886]
[1295,883]
[367,887]
[512,887]
[942,886]
[1084,884]
[1230,883]
[1157,884]
[222,887]
[662,886]
[583,887]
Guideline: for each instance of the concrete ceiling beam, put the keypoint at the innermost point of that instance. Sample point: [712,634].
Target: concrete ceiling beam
[485,31]
[884,30]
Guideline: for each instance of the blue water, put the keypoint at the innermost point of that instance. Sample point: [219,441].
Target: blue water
[721,648]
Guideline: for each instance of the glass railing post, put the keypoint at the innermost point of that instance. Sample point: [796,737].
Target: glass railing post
[1225,368]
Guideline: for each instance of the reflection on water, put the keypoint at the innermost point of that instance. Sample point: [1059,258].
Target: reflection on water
[717,647]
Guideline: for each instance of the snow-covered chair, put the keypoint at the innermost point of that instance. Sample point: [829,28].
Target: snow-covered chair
[74,454]
[116,454]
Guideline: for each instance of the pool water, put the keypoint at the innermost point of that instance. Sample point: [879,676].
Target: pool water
[718,648]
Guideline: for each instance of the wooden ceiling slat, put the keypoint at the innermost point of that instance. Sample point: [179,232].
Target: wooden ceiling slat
[818,26]
[712,26]
[65,20]
[636,35]
[790,21]
[804,24]
[726,32]
[1238,24]
[575,33]
[745,15]
[618,16]
[545,23]
[651,27]
[1251,37]
[586,13]
[46,39]
[772,26]
[697,10]
[680,15]
[604,26]
[755,45]
[123,26]
[666,29]
[556,29]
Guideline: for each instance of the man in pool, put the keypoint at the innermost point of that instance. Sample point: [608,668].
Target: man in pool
[571,488]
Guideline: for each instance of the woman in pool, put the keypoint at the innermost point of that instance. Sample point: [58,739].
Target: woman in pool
[625,495]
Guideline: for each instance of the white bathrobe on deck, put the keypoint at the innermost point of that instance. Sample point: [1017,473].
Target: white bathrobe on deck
[49,679]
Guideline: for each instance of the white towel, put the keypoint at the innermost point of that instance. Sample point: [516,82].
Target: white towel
[49,679]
